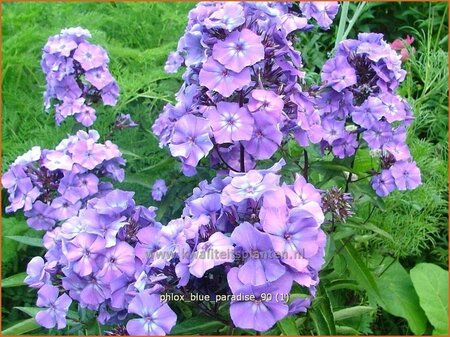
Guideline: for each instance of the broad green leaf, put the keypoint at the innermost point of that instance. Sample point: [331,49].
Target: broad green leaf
[288,327]
[360,272]
[35,242]
[14,281]
[21,328]
[322,315]
[346,330]
[197,325]
[399,296]
[352,312]
[431,284]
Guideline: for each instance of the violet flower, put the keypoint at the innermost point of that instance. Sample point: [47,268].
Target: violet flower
[58,306]
[157,319]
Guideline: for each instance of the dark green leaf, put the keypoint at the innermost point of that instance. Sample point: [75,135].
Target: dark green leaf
[35,242]
[14,281]
[399,296]
[431,284]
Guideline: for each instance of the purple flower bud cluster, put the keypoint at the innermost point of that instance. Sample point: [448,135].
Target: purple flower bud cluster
[253,233]
[358,99]
[124,121]
[77,76]
[53,185]
[241,92]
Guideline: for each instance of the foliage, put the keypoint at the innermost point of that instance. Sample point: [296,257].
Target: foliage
[431,284]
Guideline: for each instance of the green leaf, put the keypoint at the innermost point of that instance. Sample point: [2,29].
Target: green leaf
[30,311]
[431,284]
[288,327]
[14,281]
[21,328]
[352,312]
[322,315]
[369,226]
[399,296]
[346,331]
[137,179]
[360,272]
[197,325]
[130,154]
[35,242]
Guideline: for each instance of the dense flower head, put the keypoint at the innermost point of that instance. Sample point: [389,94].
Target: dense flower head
[77,76]
[53,185]
[100,258]
[359,107]
[261,233]
[241,75]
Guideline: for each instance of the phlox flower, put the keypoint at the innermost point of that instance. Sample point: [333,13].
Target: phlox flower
[214,252]
[215,76]
[58,306]
[82,252]
[90,56]
[156,317]
[406,175]
[239,50]
[383,184]
[249,186]
[230,122]
[190,139]
[261,264]
[338,73]
[263,312]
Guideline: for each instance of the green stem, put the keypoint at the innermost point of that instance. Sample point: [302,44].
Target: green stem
[342,22]
[352,22]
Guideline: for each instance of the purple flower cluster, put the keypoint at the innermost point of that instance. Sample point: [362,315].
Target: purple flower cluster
[264,235]
[358,99]
[99,258]
[77,76]
[53,185]
[240,95]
